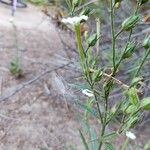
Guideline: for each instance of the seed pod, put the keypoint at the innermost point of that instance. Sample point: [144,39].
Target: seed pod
[92,40]
[146,42]
[130,22]
[130,50]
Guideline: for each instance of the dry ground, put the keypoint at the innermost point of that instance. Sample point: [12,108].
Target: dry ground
[33,114]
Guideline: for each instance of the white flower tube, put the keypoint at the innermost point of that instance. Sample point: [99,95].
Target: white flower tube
[87,93]
[74,20]
[130,135]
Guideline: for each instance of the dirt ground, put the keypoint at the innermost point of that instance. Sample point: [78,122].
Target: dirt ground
[33,111]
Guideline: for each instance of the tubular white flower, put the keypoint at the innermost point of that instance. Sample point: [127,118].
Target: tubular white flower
[130,135]
[74,20]
[87,93]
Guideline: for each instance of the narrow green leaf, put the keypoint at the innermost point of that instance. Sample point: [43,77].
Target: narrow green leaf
[84,141]
[89,109]
[94,139]
[110,135]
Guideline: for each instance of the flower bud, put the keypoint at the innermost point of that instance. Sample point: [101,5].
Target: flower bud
[146,42]
[85,12]
[92,40]
[117,1]
[97,75]
[143,1]
[130,22]
[117,5]
[76,3]
[130,50]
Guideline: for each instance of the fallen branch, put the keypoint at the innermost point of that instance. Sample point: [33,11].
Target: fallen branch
[25,84]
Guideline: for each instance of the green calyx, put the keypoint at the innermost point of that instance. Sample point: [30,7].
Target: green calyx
[85,12]
[130,50]
[146,42]
[117,1]
[76,3]
[143,1]
[130,22]
[92,40]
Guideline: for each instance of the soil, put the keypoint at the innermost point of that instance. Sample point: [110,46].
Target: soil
[33,112]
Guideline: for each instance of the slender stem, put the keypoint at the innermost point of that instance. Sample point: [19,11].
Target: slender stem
[125,144]
[84,61]
[142,62]
[121,58]
[98,30]
[118,34]
[112,32]
[79,43]
[99,111]
[101,137]
[109,81]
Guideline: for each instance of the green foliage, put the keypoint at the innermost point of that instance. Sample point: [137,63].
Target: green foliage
[15,68]
[84,141]
[133,96]
[92,40]
[143,1]
[145,103]
[146,42]
[130,50]
[147,146]
[109,146]
[128,110]
[39,2]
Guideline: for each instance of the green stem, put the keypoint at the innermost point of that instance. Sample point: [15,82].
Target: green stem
[125,144]
[121,58]
[98,30]
[112,32]
[114,64]
[101,136]
[99,111]
[142,63]
[118,34]
[85,63]
[79,43]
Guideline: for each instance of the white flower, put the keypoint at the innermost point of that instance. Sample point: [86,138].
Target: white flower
[74,20]
[130,135]
[87,93]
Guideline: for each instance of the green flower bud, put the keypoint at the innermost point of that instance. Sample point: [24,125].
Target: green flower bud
[130,50]
[117,5]
[76,3]
[143,1]
[97,75]
[130,22]
[92,40]
[146,42]
[85,12]
[117,1]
